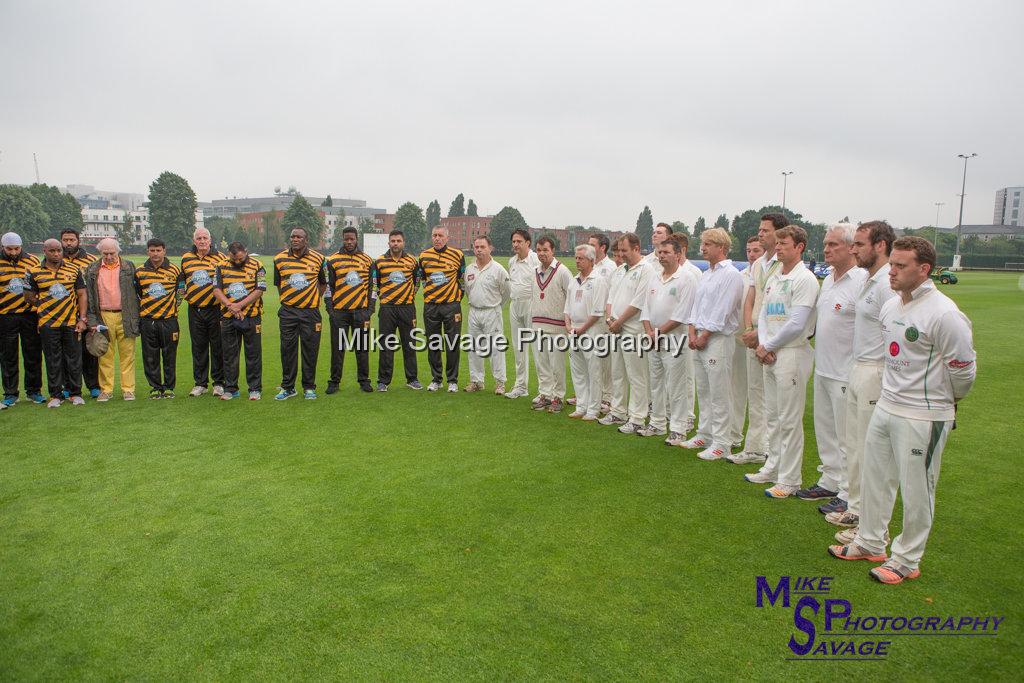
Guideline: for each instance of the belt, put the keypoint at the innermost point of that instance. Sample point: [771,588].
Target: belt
[484,308]
[111,310]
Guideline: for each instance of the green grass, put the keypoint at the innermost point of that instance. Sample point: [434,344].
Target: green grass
[413,535]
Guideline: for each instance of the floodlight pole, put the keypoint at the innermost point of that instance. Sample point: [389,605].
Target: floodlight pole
[785,177]
[963,188]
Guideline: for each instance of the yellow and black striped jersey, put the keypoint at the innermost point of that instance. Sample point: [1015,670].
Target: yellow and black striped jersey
[297,277]
[80,260]
[14,282]
[442,273]
[57,294]
[197,272]
[238,282]
[157,289]
[348,276]
[397,278]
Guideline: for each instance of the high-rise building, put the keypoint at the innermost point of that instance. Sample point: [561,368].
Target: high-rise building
[1008,209]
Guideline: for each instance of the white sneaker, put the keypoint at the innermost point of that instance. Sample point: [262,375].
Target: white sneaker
[846,536]
[695,443]
[760,477]
[453,388]
[675,438]
[630,428]
[577,414]
[650,430]
[218,390]
[77,401]
[781,491]
[610,419]
[517,392]
[53,403]
[746,458]
[711,454]
[198,391]
[433,386]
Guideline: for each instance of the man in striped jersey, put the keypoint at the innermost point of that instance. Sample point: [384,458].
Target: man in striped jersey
[57,289]
[18,320]
[442,269]
[239,284]
[76,255]
[348,277]
[197,268]
[488,289]
[156,282]
[397,277]
[301,279]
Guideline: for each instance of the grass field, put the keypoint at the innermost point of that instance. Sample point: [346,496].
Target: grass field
[431,536]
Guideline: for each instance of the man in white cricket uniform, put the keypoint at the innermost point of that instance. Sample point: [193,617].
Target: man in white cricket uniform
[521,268]
[604,267]
[713,320]
[630,369]
[872,243]
[739,360]
[666,310]
[784,328]
[584,317]
[547,309]
[929,368]
[487,289]
[833,356]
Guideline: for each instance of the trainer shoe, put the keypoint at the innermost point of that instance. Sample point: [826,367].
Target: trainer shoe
[156,394]
[77,401]
[570,401]
[650,430]
[517,392]
[815,493]
[846,536]
[556,405]
[630,428]
[309,394]
[712,454]
[218,390]
[695,443]
[197,391]
[65,395]
[37,398]
[781,491]
[473,386]
[578,414]
[414,385]
[843,519]
[255,395]
[499,389]
[228,395]
[540,403]
[453,387]
[285,394]
[168,393]
[760,477]
[366,387]
[332,388]
[837,504]
[381,386]
[675,438]
[10,400]
[433,386]
[94,393]
[54,403]
[591,418]
[610,419]
[892,573]
[852,551]
[3,406]
[128,395]
[746,458]
[104,397]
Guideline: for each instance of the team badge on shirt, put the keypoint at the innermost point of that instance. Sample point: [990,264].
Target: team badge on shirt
[352,279]
[438,279]
[156,290]
[298,281]
[911,334]
[397,277]
[200,278]
[16,286]
[58,292]
[236,291]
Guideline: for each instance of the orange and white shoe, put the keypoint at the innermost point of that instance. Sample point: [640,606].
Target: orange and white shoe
[892,573]
[852,551]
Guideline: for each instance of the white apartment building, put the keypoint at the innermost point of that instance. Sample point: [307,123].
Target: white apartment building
[100,223]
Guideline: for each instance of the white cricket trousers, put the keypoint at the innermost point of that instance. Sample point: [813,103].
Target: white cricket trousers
[861,395]
[903,454]
[739,392]
[668,389]
[785,394]
[713,365]
[630,379]
[757,423]
[486,322]
[585,368]
[519,319]
[550,361]
[830,429]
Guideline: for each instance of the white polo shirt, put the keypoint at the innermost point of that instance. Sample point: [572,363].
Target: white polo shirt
[604,268]
[520,274]
[716,303]
[867,330]
[487,287]
[629,288]
[833,337]
[670,298]
[586,297]
[783,293]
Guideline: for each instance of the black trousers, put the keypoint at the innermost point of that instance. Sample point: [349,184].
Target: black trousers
[396,319]
[443,319]
[159,342]
[234,334]
[354,325]
[23,326]
[62,347]
[90,368]
[299,327]
[204,330]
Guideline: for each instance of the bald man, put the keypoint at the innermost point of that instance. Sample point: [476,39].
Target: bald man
[114,303]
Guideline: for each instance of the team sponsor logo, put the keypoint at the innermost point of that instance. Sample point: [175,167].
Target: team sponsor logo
[396,277]
[58,292]
[353,279]
[959,364]
[894,349]
[298,281]
[672,292]
[471,277]
[438,279]
[236,291]
[916,451]
[200,278]
[156,291]
[839,307]
[775,308]
[17,286]
[912,334]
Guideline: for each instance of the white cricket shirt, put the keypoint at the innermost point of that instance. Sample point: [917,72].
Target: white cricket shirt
[836,310]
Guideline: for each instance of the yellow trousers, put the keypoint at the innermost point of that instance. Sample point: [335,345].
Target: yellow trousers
[124,347]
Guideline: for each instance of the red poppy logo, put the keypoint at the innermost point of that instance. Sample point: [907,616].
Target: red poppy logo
[894,349]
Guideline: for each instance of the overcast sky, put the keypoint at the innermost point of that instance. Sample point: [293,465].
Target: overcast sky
[574,112]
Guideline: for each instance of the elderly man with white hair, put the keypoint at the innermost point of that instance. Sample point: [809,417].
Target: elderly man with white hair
[584,321]
[198,266]
[114,303]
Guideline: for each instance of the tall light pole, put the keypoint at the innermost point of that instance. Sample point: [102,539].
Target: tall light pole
[963,188]
[938,205]
[785,177]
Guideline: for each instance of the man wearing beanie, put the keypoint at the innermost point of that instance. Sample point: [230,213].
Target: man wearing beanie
[18,320]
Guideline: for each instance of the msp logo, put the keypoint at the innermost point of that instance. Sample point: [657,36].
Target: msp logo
[16,286]
[438,279]
[396,277]
[58,292]
[236,291]
[298,281]
[353,279]
[200,278]
[894,349]
[911,334]
[156,291]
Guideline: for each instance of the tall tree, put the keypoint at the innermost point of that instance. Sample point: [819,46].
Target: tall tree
[125,232]
[722,221]
[22,213]
[328,201]
[272,238]
[433,215]
[458,207]
[63,209]
[471,209]
[409,219]
[301,214]
[502,225]
[680,227]
[645,227]
[747,223]
[172,209]
[365,225]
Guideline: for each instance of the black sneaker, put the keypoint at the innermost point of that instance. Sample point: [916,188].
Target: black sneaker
[365,386]
[331,388]
[414,385]
[381,386]
[835,505]
[815,493]
[155,394]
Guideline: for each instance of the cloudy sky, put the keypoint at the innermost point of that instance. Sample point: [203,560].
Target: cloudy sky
[572,111]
